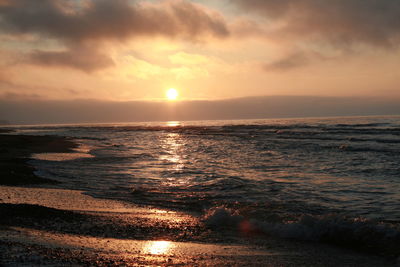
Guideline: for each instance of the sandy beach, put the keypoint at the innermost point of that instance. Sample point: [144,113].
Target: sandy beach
[58,227]
[64,227]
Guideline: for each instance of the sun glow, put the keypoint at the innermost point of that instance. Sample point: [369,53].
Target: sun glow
[172,94]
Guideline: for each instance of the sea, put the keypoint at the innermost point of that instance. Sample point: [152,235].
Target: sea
[301,178]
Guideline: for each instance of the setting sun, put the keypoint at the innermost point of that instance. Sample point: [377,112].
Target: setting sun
[172,94]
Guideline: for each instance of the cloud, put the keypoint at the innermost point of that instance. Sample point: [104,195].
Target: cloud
[6,79]
[19,96]
[182,58]
[83,59]
[82,27]
[292,61]
[96,20]
[340,22]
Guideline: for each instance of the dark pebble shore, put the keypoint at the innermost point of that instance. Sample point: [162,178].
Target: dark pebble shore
[15,151]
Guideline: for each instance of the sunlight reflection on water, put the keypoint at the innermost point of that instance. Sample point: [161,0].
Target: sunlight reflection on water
[172,145]
[158,247]
[60,156]
[173,123]
[285,167]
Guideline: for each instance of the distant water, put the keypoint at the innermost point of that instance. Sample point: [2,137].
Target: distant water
[274,171]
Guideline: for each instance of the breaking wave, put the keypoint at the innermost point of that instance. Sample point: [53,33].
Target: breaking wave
[356,233]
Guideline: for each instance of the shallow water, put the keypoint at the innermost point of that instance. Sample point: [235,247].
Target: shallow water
[270,170]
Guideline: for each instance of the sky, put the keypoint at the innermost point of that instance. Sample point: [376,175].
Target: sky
[135,50]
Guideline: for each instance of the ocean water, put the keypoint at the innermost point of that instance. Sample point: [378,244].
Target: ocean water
[298,178]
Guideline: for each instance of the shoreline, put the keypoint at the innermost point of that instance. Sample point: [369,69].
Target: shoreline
[15,152]
[58,227]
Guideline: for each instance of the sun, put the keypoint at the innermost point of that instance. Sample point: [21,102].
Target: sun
[172,94]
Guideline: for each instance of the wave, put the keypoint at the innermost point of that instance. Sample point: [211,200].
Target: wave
[356,233]
[389,150]
[357,125]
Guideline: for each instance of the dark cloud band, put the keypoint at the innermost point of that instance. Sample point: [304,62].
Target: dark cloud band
[89,23]
[83,59]
[104,19]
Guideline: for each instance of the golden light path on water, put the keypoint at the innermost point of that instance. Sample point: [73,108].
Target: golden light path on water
[173,123]
[173,144]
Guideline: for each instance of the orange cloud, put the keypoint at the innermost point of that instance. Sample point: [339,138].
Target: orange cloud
[83,28]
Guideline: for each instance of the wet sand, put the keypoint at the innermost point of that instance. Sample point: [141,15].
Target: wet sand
[64,227]
[44,226]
